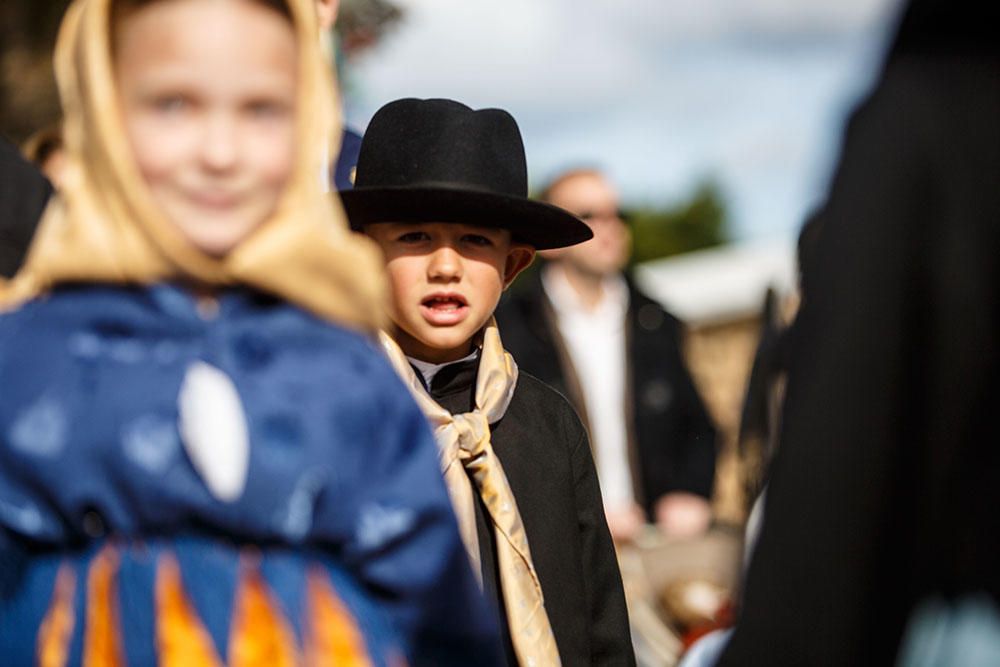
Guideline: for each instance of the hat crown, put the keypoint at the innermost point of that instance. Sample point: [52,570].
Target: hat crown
[415,143]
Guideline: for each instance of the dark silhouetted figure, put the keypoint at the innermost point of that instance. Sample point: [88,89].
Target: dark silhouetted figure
[23,195]
[884,492]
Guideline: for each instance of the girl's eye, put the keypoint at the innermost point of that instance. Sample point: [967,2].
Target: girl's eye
[267,109]
[170,103]
[413,237]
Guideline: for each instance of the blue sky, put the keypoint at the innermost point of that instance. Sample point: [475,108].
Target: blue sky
[663,94]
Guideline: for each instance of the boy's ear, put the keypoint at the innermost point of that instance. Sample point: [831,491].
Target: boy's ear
[519,257]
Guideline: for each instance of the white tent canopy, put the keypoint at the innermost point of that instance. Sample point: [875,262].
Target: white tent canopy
[721,283]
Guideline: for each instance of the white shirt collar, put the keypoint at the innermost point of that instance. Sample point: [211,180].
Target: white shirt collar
[428,370]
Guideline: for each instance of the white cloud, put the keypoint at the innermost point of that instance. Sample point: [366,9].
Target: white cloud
[714,19]
[500,53]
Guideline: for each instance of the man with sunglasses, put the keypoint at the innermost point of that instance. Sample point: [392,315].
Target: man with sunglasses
[583,327]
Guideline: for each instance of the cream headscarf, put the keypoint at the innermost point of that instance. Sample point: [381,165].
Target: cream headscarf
[105,227]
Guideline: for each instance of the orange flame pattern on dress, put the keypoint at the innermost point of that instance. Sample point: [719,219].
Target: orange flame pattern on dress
[102,641]
[181,639]
[260,633]
[56,629]
[334,640]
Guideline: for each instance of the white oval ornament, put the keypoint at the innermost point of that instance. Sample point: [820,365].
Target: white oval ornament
[213,428]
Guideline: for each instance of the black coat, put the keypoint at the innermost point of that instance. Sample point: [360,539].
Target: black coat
[546,456]
[671,438]
[23,195]
[884,490]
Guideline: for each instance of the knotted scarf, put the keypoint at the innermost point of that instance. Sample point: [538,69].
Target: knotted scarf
[467,458]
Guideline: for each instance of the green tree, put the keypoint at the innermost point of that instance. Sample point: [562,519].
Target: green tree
[699,222]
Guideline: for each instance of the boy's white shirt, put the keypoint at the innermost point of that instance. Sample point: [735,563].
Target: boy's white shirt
[428,370]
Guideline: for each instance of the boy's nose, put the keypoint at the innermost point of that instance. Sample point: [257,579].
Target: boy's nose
[445,264]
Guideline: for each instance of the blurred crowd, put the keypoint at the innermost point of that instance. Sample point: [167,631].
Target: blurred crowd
[280,392]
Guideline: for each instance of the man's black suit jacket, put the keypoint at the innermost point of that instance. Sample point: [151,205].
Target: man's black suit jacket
[672,440]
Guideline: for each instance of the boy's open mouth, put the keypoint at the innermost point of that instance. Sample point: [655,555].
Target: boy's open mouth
[444,309]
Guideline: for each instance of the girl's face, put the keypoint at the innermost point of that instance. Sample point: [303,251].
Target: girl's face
[208,91]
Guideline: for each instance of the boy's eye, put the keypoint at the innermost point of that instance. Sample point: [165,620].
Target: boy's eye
[477,240]
[413,237]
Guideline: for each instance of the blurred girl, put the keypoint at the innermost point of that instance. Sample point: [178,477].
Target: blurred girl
[203,460]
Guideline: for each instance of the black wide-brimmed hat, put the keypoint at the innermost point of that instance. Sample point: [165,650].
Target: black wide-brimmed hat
[440,161]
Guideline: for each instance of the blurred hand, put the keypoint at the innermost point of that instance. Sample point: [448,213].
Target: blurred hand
[626,522]
[682,515]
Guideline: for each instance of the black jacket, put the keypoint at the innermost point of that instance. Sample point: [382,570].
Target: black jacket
[884,490]
[545,454]
[671,438]
[23,195]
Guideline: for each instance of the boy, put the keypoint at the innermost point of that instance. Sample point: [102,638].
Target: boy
[443,190]
[180,484]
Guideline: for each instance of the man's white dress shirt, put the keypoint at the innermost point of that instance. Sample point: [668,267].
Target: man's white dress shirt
[595,340]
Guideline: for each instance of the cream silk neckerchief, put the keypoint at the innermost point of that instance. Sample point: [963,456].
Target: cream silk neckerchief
[464,446]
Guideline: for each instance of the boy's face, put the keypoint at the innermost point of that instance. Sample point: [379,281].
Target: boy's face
[446,281]
[207,91]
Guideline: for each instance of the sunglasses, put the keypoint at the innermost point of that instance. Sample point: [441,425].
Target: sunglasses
[617,214]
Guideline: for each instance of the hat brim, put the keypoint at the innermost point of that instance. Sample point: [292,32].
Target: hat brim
[541,225]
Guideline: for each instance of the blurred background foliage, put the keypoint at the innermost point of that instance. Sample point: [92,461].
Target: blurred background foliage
[28,98]
[693,224]
[28,102]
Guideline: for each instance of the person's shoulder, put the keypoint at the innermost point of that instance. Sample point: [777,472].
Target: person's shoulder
[534,400]
[54,311]
[43,336]
[531,388]
[350,139]
[526,290]
[356,353]
[347,159]
[520,313]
